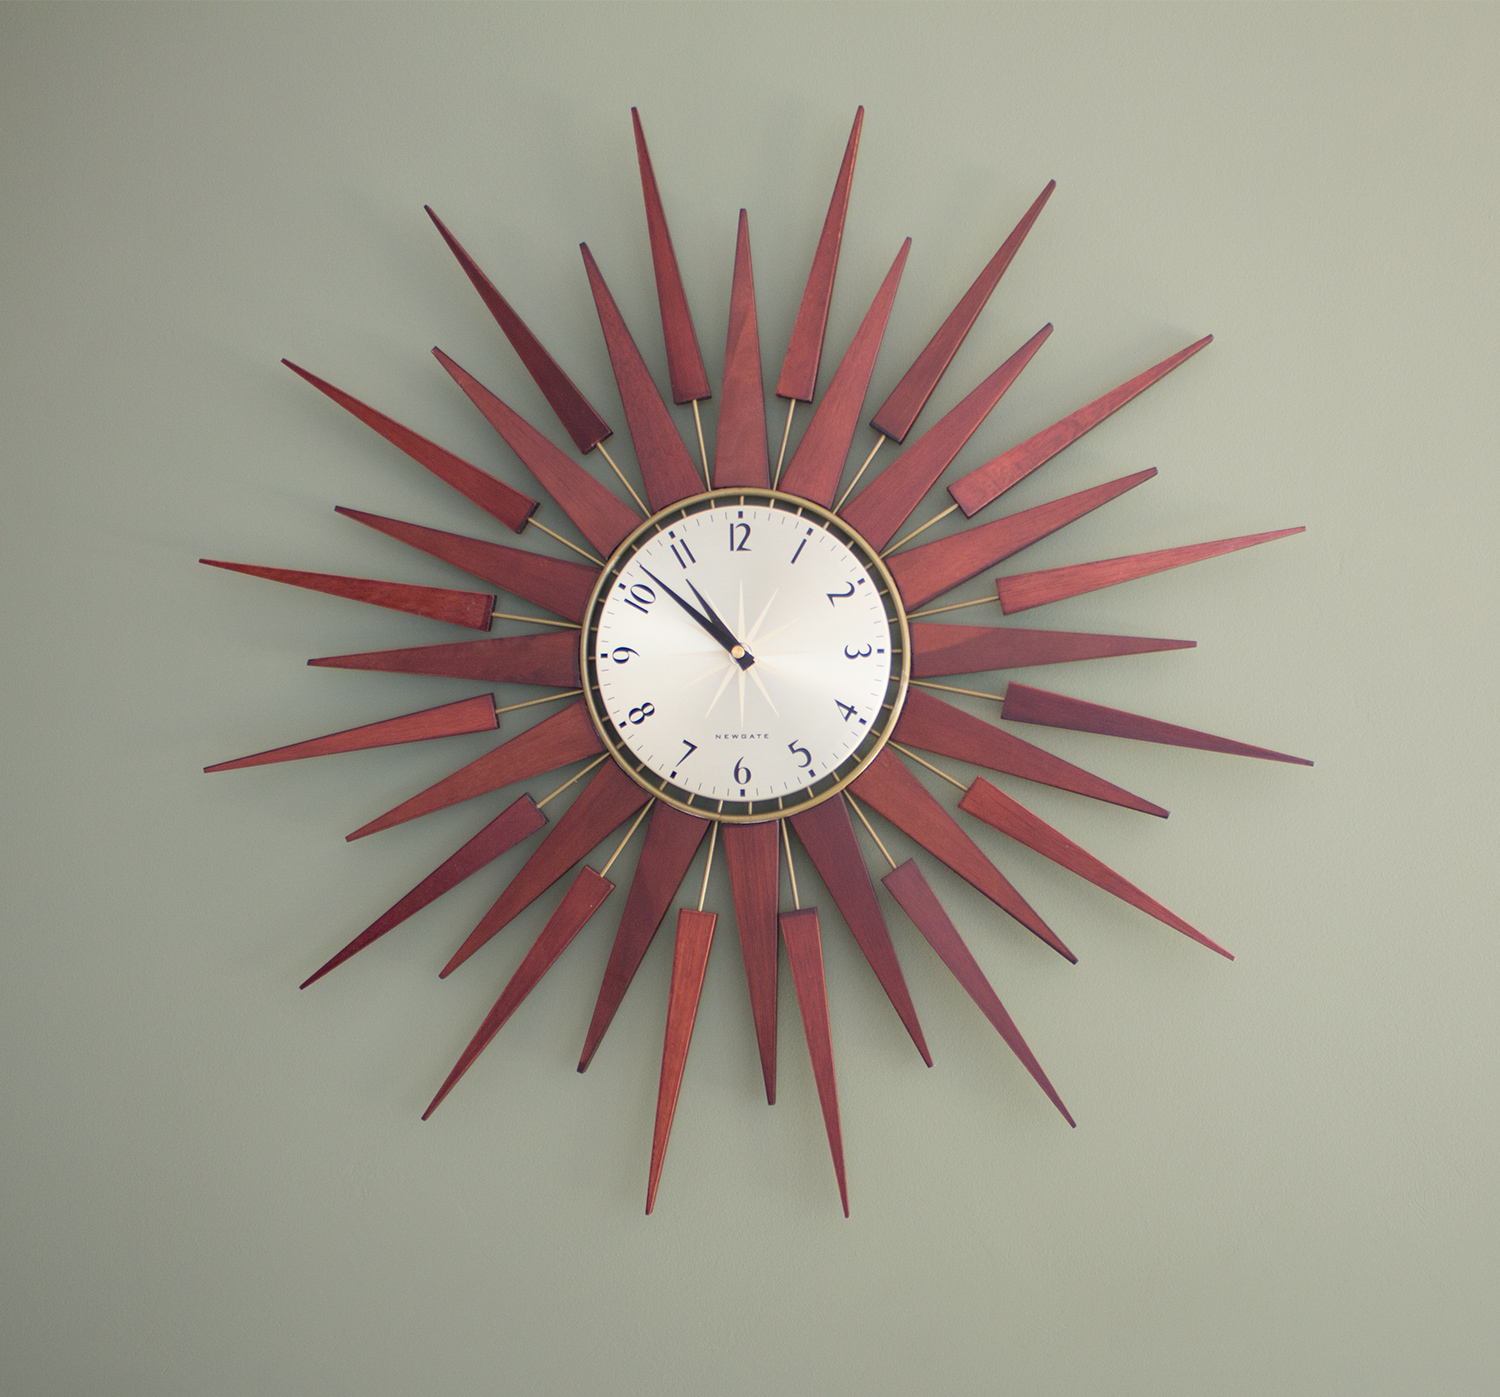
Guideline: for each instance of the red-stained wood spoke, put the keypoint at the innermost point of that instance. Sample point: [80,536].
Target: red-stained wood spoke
[934,726]
[741,456]
[815,467]
[584,897]
[901,409]
[994,807]
[472,609]
[1027,589]
[919,902]
[940,649]
[559,586]
[1027,705]
[828,836]
[695,936]
[672,839]
[882,507]
[799,370]
[994,478]
[888,786]
[513,824]
[600,517]
[931,569]
[579,419]
[550,659]
[753,853]
[509,506]
[666,467]
[468,715]
[804,953]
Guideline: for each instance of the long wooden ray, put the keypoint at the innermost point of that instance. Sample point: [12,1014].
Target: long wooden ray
[753,853]
[928,723]
[550,659]
[573,410]
[828,836]
[560,586]
[672,838]
[939,649]
[495,497]
[931,569]
[995,808]
[909,397]
[741,454]
[888,786]
[601,517]
[472,609]
[816,465]
[1027,705]
[563,738]
[919,902]
[605,803]
[883,506]
[975,490]
[666,467]
[1027,589]
[516,822]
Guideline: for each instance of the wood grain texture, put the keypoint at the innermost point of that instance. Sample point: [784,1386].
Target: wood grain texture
[994,807]
[939,649]
[548,659]
[909,397]
[741,454]
[972,492]
[573,410]
[753,853]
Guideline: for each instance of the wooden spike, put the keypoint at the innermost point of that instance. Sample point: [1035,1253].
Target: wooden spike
[888,786]
[804,953]
[900,410]
[552,583]
[516,822]
[939,649]
[666,468]
[549,659]
[931,569]
[672,838]
[584,897]
[828,836]
[753,853]
[579,419]
[995,808]
[886,504]
[1025,590]
[919,902]
[991,480]
[741,453]
[471,609]
[818,462]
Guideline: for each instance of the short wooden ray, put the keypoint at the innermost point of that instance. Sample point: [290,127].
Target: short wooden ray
[584,897]
[599,515]
[1027,589]
[554,583]
[563,738]
[753,853]
[495,497]
[467,715]
[901,409]
[995,808]
[799,370]
[666,467]
[672,838]
[908,886]
[804,953]
[516,822]
[888,786]
[695,937]
[816,465]
[884,506]
[605,803]
[828,836]
[550,659]
[741,455]
[975,490]
[472,609]
[573,410]
[1027,705]
[931,725]
[931,569]
[939,649]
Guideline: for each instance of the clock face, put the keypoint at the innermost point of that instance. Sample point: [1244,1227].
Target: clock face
[745,655]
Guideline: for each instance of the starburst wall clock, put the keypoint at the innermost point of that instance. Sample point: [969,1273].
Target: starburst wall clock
[747,659]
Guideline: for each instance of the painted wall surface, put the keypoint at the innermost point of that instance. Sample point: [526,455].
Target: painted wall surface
[1283,1178]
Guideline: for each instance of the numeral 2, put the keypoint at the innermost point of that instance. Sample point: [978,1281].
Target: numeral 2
[837,596]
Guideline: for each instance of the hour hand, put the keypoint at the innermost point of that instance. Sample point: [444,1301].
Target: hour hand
[711,623]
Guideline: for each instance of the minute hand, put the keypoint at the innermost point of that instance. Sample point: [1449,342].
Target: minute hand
[711,622]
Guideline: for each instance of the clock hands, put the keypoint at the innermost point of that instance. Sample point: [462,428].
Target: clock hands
[711,623]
